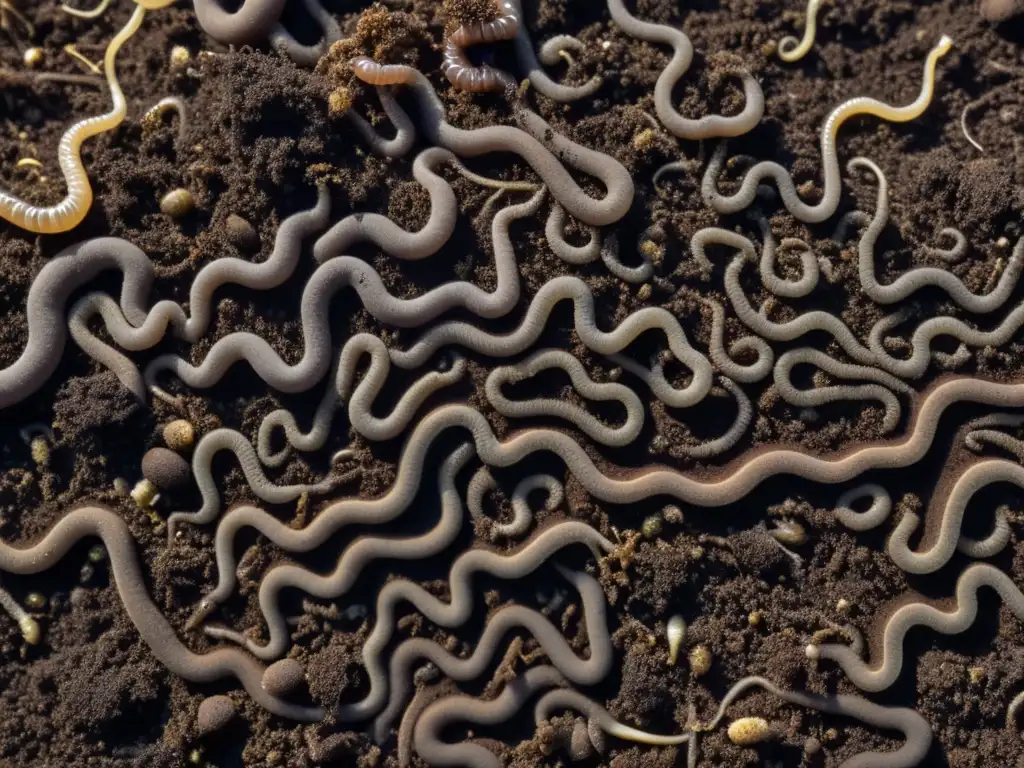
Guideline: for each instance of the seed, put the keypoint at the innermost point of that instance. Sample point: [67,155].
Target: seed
[40,450]
[652,526]
[754,618]
[97,554]
[35,601]
[180,56]
[179,435]
[30,630]
[144,494]
[675,630]
[700,661]
[177,203]
[33,57]
[748,731]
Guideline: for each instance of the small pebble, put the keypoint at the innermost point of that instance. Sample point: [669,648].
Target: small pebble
[177,203]
[812,746]
[675,631]
[241,234]
[179,435]
[748,731]
[165,469]
[215,712]
[282,677]
[97,553]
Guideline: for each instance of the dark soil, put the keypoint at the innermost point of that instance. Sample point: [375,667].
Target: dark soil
[258,133]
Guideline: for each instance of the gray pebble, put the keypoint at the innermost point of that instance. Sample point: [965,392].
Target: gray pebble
[282,677]
[241,233]
[214,713]
[165,469]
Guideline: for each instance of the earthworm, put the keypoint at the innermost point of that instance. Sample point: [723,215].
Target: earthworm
[813,214]
[923,277]
[809,268]
[747,373]
[151,624]
[369,71]
[881,390]
[576,255]
[448,614]
[464,76]
[588,671]
[610,257]
[436,717]
[93,13]
[165,104]
[916,731]
[973,479]
[702,238]
[528,142]
[522,515]
[388,236]
[307,55]
[339,272]
[561,409]
[878,678]
[253,20]
[758,322]
[607,343]
[976,438]
[405,131]
[225,439]
[682,55]
[1012,712]
[132,327]
[565,698]
[956,252]
[360,403]
[740,425]
[550,53]
[70,212]
[722,488]
[791,49]
[503,27]
[444,211]
[915,365]
[57,280]
[873,516]
[335,517]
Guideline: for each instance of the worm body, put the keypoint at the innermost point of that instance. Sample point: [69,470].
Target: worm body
[70,212]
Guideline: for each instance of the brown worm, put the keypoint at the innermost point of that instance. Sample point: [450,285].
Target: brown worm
[504,27]
[369,71]
[465,77]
